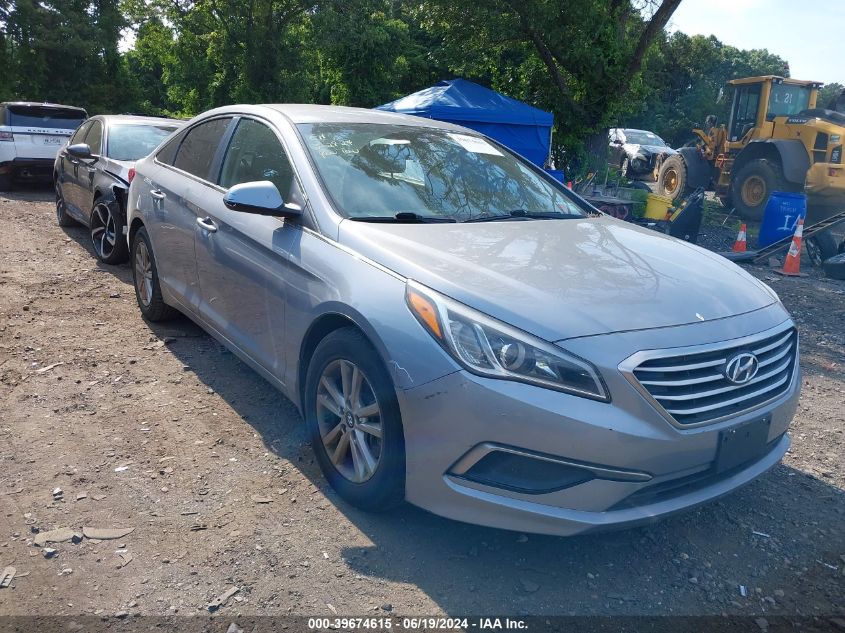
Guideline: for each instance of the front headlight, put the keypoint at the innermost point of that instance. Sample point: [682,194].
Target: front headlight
[488,347]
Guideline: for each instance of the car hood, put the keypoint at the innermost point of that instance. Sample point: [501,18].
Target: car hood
[561,279]
[634,148]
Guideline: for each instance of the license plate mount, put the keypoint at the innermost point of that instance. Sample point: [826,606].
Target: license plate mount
[742,444]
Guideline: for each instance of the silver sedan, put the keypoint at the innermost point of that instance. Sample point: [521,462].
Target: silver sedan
[457,329]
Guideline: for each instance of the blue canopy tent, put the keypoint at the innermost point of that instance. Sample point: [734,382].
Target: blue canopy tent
[523,128]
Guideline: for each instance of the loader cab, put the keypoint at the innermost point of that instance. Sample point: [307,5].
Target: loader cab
[758,100]
[744,111]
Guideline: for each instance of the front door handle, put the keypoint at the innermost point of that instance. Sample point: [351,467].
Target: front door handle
[158,194]
[207,224]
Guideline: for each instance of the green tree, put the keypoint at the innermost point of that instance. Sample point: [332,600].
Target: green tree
[368,52]
[65,51]
[581,59]
[828,96]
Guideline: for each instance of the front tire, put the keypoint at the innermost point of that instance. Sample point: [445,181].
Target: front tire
[354,422]
[753,184]
[145,277]
[672,180]
[107,230]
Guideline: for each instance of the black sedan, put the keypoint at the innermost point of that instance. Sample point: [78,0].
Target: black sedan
[638,153]
[92,173]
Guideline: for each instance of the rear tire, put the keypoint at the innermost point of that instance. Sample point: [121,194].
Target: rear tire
[334,411]
[821,247]
[753,184]
[145,277]
[672,180]
[6,182]
[62,216]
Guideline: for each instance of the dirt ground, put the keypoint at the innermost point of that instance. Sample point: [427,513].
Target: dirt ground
[159,429]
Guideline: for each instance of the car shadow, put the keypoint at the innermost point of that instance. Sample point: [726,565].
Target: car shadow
[772,547]
[30,192]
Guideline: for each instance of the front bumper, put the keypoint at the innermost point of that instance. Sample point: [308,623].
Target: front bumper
[655,469]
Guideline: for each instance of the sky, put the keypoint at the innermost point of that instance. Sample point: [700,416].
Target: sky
[809,34]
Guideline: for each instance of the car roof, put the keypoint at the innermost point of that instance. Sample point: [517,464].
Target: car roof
[139,120]
[309,113]
[43,104]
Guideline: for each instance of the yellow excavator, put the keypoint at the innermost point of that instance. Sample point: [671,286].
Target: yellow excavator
[775,140]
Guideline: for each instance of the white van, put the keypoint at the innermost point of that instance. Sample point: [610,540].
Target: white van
[31,135]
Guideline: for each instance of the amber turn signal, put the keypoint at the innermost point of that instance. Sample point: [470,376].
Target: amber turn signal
[425,311]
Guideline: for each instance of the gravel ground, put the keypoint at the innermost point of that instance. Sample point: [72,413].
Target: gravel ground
[159,429]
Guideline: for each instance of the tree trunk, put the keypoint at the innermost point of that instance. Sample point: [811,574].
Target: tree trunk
[597,151]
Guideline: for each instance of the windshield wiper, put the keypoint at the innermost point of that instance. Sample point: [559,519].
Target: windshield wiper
[522,214]
[404,217]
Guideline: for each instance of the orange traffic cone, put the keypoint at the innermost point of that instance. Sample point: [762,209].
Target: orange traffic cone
[741,243]
[792,263]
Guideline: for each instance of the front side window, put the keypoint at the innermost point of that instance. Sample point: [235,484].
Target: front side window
[79,135]
[94,138]
[377,170]
[196,152]
[255,153]
[132,141]
[745,111]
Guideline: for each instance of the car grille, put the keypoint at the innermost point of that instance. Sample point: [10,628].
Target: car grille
[693,389]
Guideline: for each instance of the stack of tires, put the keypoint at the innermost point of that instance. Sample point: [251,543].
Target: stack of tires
[834,267]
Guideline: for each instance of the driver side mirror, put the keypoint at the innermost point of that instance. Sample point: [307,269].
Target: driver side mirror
[81,151]
[260,197]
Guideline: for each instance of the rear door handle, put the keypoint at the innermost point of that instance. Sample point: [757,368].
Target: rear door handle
[207,224]
[158,194]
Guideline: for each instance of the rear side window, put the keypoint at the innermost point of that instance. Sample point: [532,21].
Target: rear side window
[196,153]
[168,153]
[94,138]
[44,117]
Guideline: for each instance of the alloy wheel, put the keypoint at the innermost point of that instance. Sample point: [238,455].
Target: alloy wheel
[103,230]
[143,273]
[60,203]
[349,420]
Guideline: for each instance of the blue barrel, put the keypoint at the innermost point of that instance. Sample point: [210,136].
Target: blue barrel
[781,216]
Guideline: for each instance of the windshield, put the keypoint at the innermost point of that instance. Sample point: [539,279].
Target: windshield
[638,137]
[131,142]
[45,117]
[378,170]
[787,99]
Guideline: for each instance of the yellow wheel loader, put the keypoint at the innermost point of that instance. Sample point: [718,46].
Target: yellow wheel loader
[776,140]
